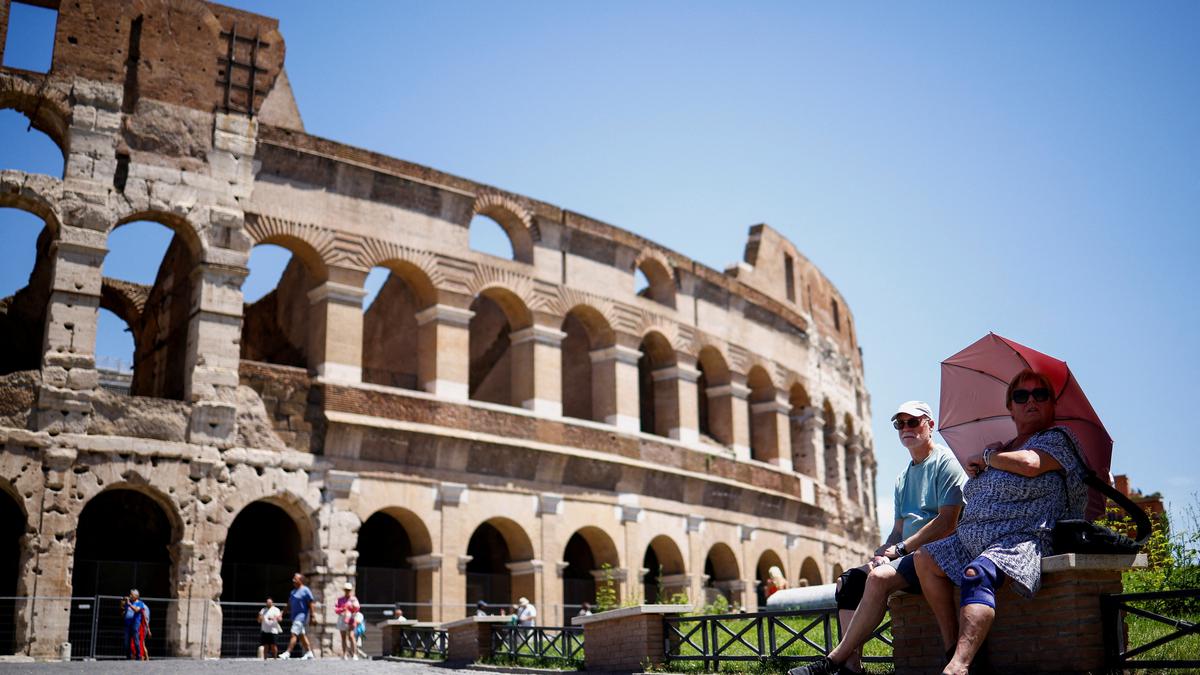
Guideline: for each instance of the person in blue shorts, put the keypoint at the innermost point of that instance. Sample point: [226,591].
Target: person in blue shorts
[300,602]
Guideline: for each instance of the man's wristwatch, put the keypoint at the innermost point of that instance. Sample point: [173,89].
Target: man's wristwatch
[901,548]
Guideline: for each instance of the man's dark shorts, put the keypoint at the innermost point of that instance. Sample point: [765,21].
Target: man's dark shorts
[854,581]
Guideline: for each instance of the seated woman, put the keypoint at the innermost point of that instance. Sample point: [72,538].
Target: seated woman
[1017,493]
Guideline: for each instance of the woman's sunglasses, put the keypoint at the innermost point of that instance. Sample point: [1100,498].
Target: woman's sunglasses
[911,423]
[1040,394]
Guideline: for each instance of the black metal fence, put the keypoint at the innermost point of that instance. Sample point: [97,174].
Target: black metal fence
[1151,630]
[795,636]
[423,642]
[563,643]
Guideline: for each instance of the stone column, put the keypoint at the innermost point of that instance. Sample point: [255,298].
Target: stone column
[740,416]
[675,412]
[695,559]
[428,570]
[213,350]
[775,432]
[69,339]
[537,369]
[808,451]
[454,538]
[54,546]
[444,362]
[336,331]
[835,461]
[615,386]
[854,491]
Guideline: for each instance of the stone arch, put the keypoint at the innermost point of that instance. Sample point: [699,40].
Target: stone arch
[313,246]
[810,573]
[187,233]
[838,570]
[394,343]
[497,367]
[23,321]
[266,542]
[714,395]
[665,569]
[766,560]
[585,385]
[515,220]
[46,107]
[500,568]
[588,550]
[657,394]
[659,277]
[764,436]
[389,541]
[722,573]
[37,195]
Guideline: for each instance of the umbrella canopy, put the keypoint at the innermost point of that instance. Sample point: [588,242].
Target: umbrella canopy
[972,404]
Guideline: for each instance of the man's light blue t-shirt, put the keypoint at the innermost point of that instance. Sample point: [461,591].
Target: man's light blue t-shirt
[298,601]
[924,488]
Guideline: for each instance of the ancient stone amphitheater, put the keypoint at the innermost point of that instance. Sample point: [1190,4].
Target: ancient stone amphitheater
[488,428]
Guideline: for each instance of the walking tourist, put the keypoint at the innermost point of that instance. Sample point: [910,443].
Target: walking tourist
[347,610]
[134,613]
[928,499]
[1017,491]
[526,613]
[269,628]
[300,602]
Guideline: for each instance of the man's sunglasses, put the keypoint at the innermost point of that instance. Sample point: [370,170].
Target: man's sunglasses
[1040,394]
[911,423]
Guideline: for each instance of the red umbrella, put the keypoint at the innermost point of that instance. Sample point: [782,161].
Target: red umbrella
[972,406]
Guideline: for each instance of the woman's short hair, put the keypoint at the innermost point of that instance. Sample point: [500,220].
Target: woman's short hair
[1027,374]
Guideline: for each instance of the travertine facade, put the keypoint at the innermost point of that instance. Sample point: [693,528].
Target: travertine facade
[714,420]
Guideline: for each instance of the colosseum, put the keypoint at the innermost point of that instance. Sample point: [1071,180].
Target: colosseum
[488,428]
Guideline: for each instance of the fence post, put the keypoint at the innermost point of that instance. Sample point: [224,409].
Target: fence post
[1110,616]
[95,620]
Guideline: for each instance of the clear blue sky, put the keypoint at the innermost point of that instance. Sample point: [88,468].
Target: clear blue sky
[1032,169]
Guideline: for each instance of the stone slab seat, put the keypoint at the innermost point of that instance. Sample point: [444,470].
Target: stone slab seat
[1058,631]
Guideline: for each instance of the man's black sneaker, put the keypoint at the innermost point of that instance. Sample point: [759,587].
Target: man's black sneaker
[822,667]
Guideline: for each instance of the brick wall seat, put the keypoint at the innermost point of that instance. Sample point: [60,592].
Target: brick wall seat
[470,639]
[625,639]
[1059,631]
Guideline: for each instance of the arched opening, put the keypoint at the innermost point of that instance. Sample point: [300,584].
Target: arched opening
[25,281]
[810,573]
[275,323]
[584,386]
[714,396]
[262,552]
[838,570]
[664,570]
[832,452]
[495,366]
[766,561]
[488,576]
[657,390]
[393,343]
[764,438]
[153,262]
[12,528]
[721,575]
[804,459]
[28,148]
[385,576]
[591,562]
[123,542]
[488,236]
[659,284]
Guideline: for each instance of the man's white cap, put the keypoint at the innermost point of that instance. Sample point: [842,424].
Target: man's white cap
[914,409]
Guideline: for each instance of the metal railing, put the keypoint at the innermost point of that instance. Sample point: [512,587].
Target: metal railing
[427,643]
[793,636]
[1151,630]
[563,643]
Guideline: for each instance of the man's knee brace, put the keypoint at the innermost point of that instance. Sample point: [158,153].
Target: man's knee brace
[980,581]
[850,590]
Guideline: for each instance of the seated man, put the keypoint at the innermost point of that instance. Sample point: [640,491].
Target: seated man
[928,500]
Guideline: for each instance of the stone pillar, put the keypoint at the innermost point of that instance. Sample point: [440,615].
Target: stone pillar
[695,559]
[835,460]
[444,363]
[336,331]
[69,340]
[615,386]
[428,570]
[854,467]
[771,418]
[213,352]
[526,580]
[454,539]
[537,369]
[50,612]
[470,639]
[740,420]
[808,451]
[675,413]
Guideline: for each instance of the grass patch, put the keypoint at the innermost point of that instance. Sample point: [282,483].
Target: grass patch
[533,662]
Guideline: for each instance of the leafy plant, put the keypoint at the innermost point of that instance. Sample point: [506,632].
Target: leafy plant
[606,590]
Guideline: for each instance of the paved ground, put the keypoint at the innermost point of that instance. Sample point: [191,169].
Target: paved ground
[231,667]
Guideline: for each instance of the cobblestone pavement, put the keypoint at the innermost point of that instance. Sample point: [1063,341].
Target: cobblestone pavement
[232,667]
